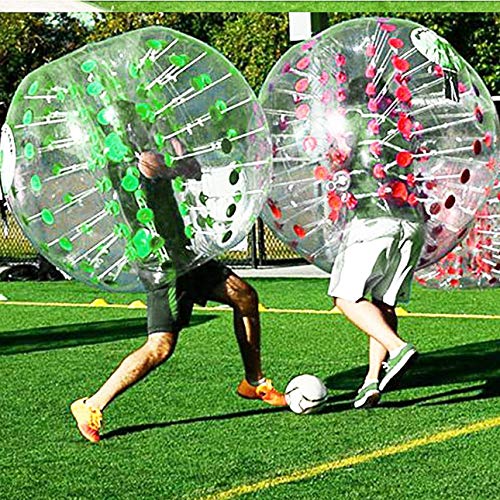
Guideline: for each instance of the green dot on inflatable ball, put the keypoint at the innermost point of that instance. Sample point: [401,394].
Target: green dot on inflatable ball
[159,140]
[94,88]
[140,196]
[122,231]
[206,79]
[48,140]
[130,183]
[237,197]
[33,89]
[178,184]
[29,151]
[85,229]
[28,117]
[142,243]
[183,209]
[88,66]
[144,110]
[104,184]
[155,44]
[67,198]
[115,148]
[112,207]
[226,146]
[145,215]
[102,117]
[215,114]
[157,242]
[36,183]
[231,133]
[209,221]
[227,236]
[231,209]
[56,168]
[134,171]
[86,267]
[133,71]
[47,217]
[220,105]
[234,176]
[169,161]
[189,231]
[66,244]
[201,81]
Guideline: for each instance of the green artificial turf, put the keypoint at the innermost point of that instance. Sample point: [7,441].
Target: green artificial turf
[182,432]
[294,6]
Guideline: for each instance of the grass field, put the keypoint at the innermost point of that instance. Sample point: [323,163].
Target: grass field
[182,433]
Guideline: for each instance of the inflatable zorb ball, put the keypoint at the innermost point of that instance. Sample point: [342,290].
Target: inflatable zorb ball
[377,118]
[475,262]
[70,149]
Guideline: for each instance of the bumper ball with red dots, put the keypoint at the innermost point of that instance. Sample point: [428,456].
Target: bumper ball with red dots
[71,146]
[377,118]
[475,262]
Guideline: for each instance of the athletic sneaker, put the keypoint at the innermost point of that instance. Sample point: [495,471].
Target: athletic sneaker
[368,396]
[88,420]
[265,392]
[395,367]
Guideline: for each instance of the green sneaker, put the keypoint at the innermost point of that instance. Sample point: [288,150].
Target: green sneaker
[367,397]
[397,366]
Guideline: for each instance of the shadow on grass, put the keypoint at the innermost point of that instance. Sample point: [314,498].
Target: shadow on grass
[59,337]
[131,429]
[477,364]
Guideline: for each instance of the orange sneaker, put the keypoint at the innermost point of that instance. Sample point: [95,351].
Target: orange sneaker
[88,420]
[265,392]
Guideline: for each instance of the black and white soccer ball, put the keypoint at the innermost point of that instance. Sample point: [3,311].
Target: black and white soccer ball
[305,394]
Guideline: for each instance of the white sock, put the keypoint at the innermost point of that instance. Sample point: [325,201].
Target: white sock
[395,352]
[256,383]
[369,381]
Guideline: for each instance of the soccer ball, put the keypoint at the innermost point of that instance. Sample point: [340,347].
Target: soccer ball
[305,394]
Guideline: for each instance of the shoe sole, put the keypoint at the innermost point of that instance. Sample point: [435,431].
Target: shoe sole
[369,401]
[399,370]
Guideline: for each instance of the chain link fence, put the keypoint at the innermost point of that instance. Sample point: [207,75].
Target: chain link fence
[260,248]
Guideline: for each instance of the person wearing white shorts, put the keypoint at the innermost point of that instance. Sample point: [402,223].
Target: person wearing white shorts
[376,261]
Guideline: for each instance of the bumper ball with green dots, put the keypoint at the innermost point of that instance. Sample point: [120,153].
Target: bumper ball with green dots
[71,145]
[377,118]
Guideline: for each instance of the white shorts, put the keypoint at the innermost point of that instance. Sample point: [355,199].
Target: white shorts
[377,257]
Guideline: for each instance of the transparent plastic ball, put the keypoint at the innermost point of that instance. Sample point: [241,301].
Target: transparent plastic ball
[135,159]
[475,262]
[377,118]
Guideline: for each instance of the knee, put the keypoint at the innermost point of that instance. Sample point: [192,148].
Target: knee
[339,303]
[386,308]
[161,346]
[244,297]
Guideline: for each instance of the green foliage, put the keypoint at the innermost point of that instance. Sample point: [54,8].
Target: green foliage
[474,35]
[28,41]
[252,41]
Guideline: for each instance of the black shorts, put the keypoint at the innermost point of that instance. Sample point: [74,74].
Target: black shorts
[170,307]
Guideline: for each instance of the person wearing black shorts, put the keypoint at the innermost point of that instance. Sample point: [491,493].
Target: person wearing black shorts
[169,309]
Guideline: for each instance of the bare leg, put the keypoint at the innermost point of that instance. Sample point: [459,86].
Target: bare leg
[155,351]
[245,303]
[378,352]
[370,319]
[377,355]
